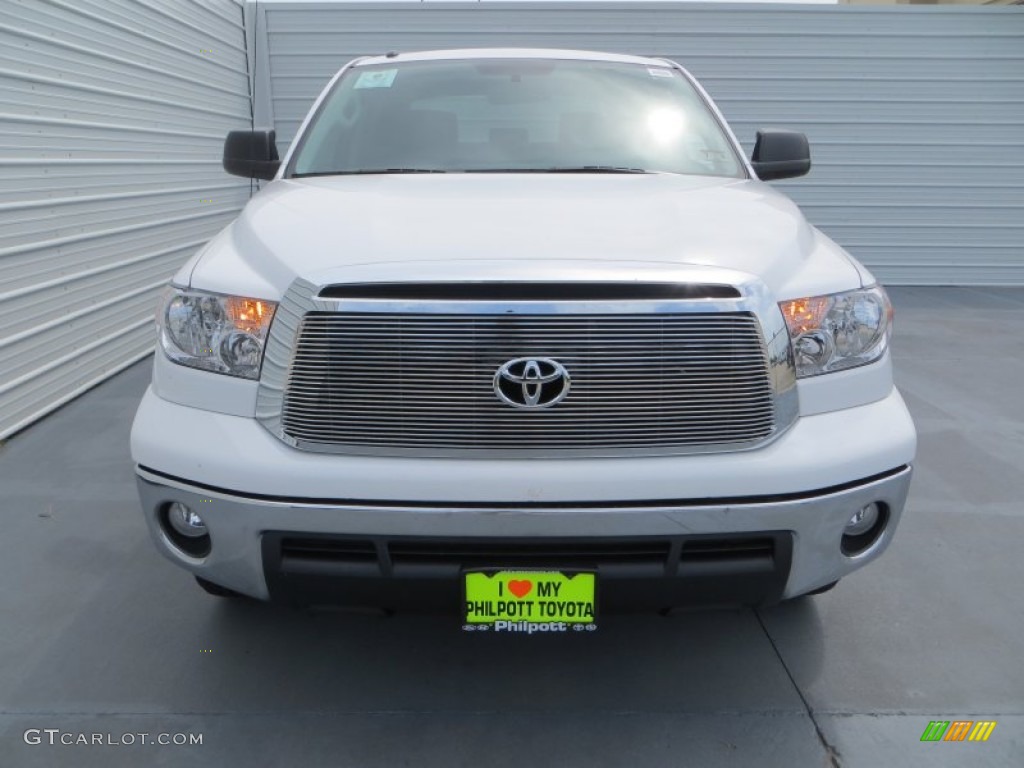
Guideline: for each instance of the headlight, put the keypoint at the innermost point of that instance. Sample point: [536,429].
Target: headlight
[217,333]
[839,331]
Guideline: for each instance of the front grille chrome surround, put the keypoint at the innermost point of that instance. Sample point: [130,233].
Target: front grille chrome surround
[399,378]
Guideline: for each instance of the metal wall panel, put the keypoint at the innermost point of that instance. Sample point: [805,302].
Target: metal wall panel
[112,118]
[915,114]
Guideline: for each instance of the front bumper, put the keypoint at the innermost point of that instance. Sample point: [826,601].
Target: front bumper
[254,492]
[357,566]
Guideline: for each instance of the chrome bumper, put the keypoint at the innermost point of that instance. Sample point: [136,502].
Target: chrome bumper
[237,523]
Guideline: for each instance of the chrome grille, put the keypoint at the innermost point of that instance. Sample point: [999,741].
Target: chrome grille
[380,382]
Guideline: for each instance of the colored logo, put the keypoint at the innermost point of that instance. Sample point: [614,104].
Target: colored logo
[958,730]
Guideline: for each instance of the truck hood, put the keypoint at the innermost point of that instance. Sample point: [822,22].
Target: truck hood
[517,226]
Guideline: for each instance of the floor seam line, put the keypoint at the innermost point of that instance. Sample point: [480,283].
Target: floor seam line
[832,753]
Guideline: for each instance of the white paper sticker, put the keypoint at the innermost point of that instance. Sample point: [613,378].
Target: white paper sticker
[659,72]
[376,78]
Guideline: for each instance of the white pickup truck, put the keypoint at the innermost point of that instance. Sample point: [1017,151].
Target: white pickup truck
[522,335]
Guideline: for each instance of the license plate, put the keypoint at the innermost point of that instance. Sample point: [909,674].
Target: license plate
[531,602]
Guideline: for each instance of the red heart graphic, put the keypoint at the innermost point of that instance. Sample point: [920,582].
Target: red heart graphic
[520,588]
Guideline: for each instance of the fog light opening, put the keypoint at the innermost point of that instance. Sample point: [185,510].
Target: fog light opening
[186,520]
[185,528]
[864,528]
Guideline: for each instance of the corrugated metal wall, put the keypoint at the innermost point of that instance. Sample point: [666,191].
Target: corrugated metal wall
[915,114]
[112,118]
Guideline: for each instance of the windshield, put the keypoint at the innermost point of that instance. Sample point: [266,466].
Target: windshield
[514,115]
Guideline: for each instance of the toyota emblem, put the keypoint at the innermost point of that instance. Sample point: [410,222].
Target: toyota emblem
[532,382]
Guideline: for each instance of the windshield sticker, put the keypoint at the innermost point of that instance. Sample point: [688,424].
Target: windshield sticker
[655,72]
[377,78]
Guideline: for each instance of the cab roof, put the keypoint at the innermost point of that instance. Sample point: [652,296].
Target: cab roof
[509,53]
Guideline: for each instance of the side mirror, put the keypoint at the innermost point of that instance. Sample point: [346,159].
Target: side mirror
[251,154]
[780,155]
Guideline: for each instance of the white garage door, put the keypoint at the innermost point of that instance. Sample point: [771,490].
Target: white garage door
[915,114]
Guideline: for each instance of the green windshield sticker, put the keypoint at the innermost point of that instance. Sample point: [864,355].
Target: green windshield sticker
[376,78]
[514,600]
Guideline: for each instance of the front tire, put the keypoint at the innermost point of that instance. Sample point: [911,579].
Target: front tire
[822,590]
[216,589]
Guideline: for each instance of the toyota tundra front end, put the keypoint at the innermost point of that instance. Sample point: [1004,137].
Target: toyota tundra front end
[521,335]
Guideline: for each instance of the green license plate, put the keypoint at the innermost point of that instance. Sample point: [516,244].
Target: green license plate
[530,601]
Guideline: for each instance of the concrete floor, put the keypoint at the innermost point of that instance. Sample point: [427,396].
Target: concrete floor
[98,633]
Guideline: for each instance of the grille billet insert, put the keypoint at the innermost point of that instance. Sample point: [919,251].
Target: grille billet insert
[383,381]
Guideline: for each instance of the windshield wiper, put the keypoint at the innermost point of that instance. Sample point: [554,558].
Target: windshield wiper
[366,172]
[563,169]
